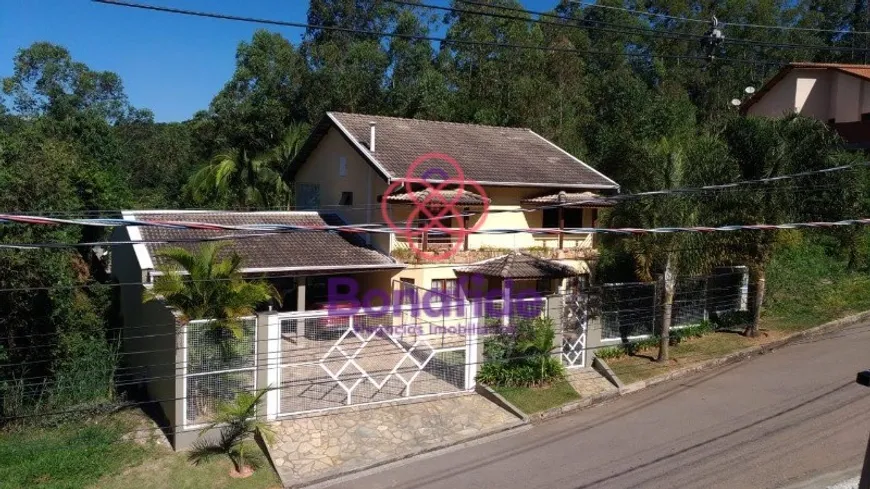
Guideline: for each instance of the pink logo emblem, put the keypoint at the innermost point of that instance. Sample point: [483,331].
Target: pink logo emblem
[438,201]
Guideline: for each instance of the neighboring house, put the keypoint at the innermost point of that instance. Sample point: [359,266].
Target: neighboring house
[838,94]
[350,161]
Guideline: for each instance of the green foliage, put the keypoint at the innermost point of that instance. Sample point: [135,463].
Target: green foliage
[238,423]
[522,357]
[211,288]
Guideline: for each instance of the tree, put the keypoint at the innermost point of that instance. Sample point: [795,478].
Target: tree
[46,80]
[238,422]
[239,179]
[261,100]
[201,284]
[763,148]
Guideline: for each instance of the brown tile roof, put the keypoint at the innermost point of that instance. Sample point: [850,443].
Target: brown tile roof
[581,199]
[861,71]
[463,197]
[303,251]
[487,154]
[519,265]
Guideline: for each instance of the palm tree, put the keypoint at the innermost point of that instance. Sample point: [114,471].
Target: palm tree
[238,423]
[763,148]
[238,178]
[666,166]
[202,285]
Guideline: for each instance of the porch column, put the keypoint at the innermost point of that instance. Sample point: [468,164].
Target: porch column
[300,293]
[561,219]
[506,302]
[465,226]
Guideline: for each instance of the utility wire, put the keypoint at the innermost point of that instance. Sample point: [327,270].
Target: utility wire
[727,24]
[638,30]
[414,37]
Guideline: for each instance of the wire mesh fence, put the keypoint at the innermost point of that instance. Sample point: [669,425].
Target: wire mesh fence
[220,363]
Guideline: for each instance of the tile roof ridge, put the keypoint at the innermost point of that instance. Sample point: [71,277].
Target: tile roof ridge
[410,119]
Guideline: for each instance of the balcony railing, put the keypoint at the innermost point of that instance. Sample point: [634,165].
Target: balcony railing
[442,254]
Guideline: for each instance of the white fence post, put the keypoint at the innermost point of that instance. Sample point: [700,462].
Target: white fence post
[273,364]
[471,346]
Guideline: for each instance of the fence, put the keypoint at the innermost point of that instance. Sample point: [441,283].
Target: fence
[633,311]
[219,364]
[331,359]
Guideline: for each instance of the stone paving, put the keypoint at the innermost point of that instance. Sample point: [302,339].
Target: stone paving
[589,383]
[311,447]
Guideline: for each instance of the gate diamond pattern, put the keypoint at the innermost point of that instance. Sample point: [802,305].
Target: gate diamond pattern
[574,324]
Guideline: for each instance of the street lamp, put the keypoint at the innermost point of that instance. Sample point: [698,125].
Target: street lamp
[864,379]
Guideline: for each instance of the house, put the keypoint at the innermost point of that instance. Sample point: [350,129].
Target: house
[312,358]
[838,94]
[355,165]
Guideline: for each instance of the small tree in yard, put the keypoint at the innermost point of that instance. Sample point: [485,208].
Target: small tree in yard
[238,424]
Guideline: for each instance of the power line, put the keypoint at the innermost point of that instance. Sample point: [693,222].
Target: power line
[632,29]
[413,37]
[727,24]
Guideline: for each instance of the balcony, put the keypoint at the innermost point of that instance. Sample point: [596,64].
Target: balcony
[441,253]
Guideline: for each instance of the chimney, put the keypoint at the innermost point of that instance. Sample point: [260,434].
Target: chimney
[372,137]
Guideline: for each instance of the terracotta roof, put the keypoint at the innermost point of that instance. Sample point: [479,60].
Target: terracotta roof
[581,199]
[519,265]
[489,155]
[302,251]
[860,71]
[459,197]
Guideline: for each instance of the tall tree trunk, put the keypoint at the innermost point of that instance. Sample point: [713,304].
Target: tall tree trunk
[668,303]
[760,286]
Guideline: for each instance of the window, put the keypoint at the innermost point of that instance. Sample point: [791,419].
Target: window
[308,196]
[407,291]
[342,166]
[445,286]
[346,198]
[573,218]
[544,287]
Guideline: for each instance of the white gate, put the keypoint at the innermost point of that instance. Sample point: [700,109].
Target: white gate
[574,325]
[331,359]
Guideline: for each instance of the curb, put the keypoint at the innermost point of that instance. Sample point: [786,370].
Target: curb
[497,399]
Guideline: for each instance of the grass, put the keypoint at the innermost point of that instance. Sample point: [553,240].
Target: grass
[642,366]
[93,454]
[69,456]
[534,399]
[808,284]
[168,469]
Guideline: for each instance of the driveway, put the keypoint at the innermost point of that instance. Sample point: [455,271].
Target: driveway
[772,421]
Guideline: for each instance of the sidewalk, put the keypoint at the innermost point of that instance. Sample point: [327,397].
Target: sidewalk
[312,449]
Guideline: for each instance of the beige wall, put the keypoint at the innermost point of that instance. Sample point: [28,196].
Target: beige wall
[150,338]
[323,168]
[818,93]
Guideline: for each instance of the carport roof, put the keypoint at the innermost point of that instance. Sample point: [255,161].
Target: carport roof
[295,252]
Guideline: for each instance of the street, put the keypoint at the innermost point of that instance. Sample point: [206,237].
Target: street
[773,421]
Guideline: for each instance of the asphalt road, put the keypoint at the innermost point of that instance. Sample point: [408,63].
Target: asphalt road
[772,421]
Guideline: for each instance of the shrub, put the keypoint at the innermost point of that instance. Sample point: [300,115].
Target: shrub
[610,352]
[522,357]
[731,320]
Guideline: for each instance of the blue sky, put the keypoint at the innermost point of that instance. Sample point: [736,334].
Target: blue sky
[171,64]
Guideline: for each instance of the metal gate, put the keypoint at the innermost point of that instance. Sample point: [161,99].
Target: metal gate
[331,360]
[574,325]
